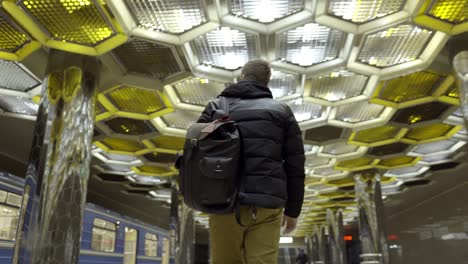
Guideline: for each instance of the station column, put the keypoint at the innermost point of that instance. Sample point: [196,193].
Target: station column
[371,228]
[56,182]
[336,241]
[460,64]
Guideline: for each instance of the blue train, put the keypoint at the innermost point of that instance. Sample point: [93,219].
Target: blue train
[107,237]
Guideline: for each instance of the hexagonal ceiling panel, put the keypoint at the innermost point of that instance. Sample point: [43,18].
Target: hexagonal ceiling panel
[447,16]
[283,83]
[336,86]
[18,105]
[172,16]
[363,11]
[356,164]
[111,178]
[430,133]
[15,41]
[340,149]
[324,134]
[129,126]
[388,150]
[377,136]
[225,48]
[304,111]
[14,76]
[133,100]
[384,48]
[309,44]
[397,162]
[421,113]
[148,58]
[265,11]
[160,157]
[120,145]
[198,91]
[407,90]
[359,112]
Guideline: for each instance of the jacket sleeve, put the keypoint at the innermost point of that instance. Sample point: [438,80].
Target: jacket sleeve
[294,159]
[208,113]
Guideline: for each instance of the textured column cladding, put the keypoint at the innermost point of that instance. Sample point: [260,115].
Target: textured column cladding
[315,246]
[187,237]
[336,242]
[371,228]
[174,220]
[324,246]
[460,63]
[58,170]
[320,248]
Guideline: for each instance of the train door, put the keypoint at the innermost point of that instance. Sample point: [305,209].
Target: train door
[166,251]
[130,247]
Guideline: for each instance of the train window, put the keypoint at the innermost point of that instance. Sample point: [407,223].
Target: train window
[151,245]
[130,247]
[8,220]
[3,196]
[14,199]
[103,235]
[10,204]
[166,251]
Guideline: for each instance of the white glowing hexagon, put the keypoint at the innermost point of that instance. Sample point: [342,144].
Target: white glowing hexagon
[225,48]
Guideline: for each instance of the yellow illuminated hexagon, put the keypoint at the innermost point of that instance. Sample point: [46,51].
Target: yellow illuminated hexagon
[159,157]
[128,126]
[165,144]
[151,170]
[377,136]
[346,182]
[417,115]
[430,133]
[359,164]
[451,95]
[337,205]
[339,195]
[135,102]
[119,145]
[390,150]
[100,112]
[15,44]
[360,12]
[397,162]
[78,26]
[312,181]
[449,16]
[404,91]
[312,220]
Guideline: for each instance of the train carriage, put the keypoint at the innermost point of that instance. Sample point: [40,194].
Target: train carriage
[107,237]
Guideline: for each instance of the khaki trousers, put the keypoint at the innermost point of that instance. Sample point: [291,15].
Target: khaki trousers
[255,243]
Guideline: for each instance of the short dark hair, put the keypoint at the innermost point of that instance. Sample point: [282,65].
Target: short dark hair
[257,70]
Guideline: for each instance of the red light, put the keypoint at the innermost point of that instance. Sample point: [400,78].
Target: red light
[392,237]
[348,238]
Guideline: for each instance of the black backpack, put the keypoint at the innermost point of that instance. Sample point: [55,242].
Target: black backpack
[210,170]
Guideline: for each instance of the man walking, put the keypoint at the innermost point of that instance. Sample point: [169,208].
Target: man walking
[274,172]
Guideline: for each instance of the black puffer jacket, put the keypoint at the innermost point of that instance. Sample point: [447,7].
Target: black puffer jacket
[273,147]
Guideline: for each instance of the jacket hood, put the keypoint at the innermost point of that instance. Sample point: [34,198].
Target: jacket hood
[247,90]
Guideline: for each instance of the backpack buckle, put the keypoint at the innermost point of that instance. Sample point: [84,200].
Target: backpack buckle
[194,142]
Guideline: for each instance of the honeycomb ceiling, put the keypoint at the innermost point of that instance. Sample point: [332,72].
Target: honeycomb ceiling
[359,76]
